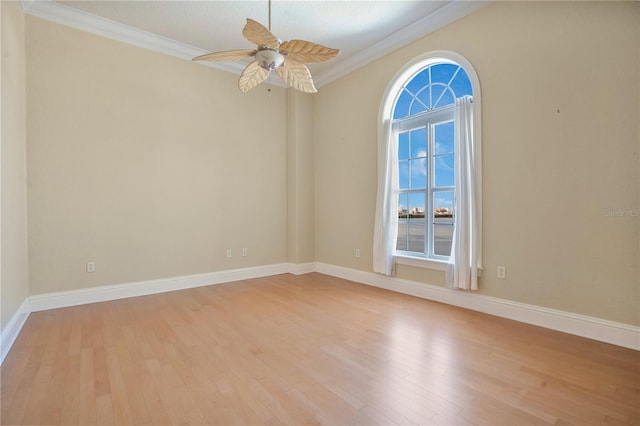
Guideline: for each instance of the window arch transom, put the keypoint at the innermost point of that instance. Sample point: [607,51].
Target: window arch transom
[435,86]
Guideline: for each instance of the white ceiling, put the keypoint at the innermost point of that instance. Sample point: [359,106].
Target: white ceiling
[362,30]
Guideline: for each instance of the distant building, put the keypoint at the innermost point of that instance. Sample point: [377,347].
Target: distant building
[442,212]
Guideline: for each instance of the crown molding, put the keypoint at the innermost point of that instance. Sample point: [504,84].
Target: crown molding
[439,18]
[84,21]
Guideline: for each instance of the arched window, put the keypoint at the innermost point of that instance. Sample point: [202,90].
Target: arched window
[429,166]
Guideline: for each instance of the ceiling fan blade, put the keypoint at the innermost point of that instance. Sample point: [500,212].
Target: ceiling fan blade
[306,52]
[297,76]
[258,34]
[228,55]
[251,76]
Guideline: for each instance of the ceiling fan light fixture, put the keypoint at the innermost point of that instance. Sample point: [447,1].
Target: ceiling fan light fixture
[269,59]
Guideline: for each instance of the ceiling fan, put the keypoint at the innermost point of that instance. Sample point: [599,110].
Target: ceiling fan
[287,58]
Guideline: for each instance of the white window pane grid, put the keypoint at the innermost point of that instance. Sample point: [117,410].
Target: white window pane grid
[424,117]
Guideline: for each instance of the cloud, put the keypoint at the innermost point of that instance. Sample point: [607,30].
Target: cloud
[442,164]
[419,166]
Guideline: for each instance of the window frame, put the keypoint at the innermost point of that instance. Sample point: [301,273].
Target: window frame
[428,120]
[385,114]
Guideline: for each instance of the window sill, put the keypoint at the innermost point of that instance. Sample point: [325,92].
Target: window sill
[420,262]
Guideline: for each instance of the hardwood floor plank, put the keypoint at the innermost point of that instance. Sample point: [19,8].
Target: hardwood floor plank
[71,392]
[307,350]
[52,410]
[104,410]
[87,413]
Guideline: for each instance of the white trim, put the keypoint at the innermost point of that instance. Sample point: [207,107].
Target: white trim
[408,70]
[616,333]
[420,262]
[423,262]
[385,113]
[302,268]
[13,328]
[84,21]
[142,288]
[63,299]
[445,15]
[76,18]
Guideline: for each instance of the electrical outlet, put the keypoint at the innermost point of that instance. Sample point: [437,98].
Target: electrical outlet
[502,272]
[91,266]
[228,252]
[244,252]
[357,252]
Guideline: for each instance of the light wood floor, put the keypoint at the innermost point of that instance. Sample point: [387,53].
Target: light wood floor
[308,349]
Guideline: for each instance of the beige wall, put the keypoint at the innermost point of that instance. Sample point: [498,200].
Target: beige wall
[560,124]
[149,165]
[152,166]
[300,177]
[13,280]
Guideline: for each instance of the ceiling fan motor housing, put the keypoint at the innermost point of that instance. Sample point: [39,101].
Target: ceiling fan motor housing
[269,59]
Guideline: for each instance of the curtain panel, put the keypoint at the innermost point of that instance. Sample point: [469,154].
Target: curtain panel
[466,251]
[386,222]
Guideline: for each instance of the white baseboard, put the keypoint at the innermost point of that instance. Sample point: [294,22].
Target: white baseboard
[142,288]
[581,325]
[64,299]
[302,268]
[11,331]
[616,333]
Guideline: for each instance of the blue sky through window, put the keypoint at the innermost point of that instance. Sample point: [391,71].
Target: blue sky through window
[434,87]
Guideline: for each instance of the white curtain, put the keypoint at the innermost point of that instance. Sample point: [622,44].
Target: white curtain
[386,223]
[466,251]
